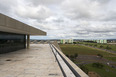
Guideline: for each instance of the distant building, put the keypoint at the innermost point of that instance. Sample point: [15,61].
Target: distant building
[66,41]
[101,41]
[96,41]
[58,41]
[62,41]
[70,41]
[112,41]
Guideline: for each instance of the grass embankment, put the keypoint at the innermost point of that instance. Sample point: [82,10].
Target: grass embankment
[106,71]
[69,49]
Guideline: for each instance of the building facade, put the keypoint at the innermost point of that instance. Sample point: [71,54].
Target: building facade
[66,41]
[101,41]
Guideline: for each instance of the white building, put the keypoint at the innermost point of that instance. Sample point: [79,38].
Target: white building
[66,41]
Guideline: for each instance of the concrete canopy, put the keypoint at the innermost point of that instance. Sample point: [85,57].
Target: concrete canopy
[11,25]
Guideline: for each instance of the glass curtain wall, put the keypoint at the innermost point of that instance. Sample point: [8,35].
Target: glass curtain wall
[11,42]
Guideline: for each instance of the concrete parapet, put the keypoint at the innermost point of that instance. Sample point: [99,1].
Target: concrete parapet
[75,67]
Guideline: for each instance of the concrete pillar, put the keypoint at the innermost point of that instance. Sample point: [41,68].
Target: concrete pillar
[28,41]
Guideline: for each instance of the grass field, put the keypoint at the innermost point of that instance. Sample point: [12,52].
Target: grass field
[106,71]
[113,47]
[72,49]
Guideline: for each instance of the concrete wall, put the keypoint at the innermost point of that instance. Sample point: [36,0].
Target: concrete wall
[8,24]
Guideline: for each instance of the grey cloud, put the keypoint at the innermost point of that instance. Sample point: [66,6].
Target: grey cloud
[7,5]
[89,10]
[58,20]
[103,1]
[71,19]
[45,2]
[39,12]
[111,16]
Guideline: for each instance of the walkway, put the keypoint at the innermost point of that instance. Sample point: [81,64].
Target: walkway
[38,61]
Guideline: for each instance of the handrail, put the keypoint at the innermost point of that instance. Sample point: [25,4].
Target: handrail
[58,62]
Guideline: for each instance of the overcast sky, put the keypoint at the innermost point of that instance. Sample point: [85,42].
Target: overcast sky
[65,19]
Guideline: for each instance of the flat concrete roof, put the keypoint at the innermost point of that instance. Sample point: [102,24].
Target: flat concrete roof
[38,61]
[8,24]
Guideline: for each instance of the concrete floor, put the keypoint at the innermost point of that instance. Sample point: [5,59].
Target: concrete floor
[38,61]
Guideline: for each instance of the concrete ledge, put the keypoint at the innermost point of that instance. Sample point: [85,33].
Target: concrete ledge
[75,67]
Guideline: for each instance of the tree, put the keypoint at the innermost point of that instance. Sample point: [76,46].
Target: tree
[72,56]
[66,43]
[78,42]
[67,55]
[95,45]
[90,44]
[76,55]
[101,46]
[86,44]
[107,47]
[85,69]
[100,55]
[98,65]
[74,42]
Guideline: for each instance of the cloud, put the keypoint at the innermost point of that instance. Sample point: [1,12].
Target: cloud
[6,6]
[39,12]
[89,9]
[65,18]
[44,2]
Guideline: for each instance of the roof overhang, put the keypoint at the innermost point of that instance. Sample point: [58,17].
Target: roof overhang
[11,25]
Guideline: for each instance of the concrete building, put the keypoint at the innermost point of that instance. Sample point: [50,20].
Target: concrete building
[13,34]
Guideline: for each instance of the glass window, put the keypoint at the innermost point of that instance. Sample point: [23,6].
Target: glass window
[11,42]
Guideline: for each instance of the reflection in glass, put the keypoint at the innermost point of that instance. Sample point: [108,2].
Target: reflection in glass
[11,42]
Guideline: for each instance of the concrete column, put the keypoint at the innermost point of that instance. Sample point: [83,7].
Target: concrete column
[28,41]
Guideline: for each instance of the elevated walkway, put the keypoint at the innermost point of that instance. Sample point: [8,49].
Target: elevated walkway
[40,60]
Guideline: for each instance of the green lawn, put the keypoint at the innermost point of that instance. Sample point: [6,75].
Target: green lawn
[111,58]
[113,47]
[70,49]
[106,71]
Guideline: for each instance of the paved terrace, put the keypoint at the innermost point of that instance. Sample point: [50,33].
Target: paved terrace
[38,61]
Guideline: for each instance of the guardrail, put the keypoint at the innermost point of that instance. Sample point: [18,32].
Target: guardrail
[64,74]
[77,72]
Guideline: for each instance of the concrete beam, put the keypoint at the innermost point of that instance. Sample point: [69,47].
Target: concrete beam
[8,24]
